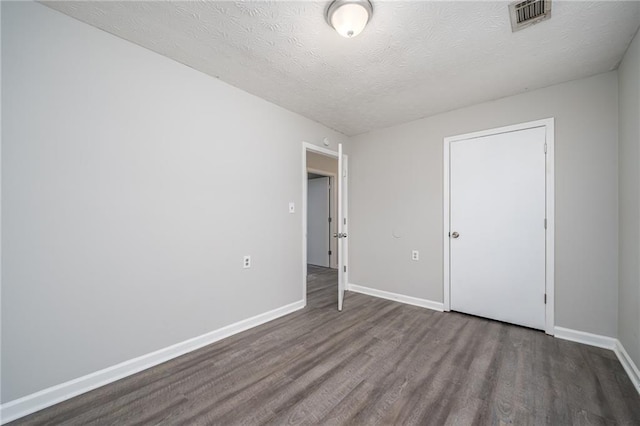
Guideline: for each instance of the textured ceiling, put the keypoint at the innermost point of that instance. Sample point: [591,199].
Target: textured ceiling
[413,60]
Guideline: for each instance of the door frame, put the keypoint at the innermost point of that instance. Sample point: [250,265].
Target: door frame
[548,124]
[306,147]
[333,182]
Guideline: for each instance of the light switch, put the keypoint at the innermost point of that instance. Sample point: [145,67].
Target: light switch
[292,207]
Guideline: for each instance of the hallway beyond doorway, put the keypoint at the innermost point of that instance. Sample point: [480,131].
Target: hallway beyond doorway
[322,286]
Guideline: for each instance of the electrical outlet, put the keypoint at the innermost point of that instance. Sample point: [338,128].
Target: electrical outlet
[415,255]
[246,262]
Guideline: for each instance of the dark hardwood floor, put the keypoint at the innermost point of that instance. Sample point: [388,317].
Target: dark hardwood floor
[377,362]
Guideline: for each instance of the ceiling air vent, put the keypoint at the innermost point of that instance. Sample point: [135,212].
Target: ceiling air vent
[528,12]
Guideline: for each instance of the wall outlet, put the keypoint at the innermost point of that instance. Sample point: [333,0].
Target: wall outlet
[415,255]
[246,262]
[292,207]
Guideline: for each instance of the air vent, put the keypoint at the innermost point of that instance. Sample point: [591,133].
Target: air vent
[528,12]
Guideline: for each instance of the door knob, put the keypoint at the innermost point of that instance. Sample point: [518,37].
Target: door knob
[454,235]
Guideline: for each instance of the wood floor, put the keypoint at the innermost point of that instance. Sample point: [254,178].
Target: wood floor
[377,362]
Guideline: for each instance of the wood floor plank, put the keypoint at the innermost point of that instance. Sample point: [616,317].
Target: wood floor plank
[376,362]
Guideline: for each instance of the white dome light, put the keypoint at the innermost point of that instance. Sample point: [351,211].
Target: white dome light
[349,17]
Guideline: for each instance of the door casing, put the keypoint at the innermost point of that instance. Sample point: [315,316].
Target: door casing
[548,124]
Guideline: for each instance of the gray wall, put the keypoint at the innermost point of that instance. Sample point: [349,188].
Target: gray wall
[629,98]
[129,199]
[396,187]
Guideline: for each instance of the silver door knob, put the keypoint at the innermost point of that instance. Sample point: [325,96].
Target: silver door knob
[454,235]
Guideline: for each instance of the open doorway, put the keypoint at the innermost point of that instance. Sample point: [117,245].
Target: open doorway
[322,248]
[324,234]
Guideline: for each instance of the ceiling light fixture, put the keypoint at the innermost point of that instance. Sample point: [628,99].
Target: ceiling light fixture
[349,17]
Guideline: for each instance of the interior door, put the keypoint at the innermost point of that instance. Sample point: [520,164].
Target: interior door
[318,225]
[342,227]
[497,226]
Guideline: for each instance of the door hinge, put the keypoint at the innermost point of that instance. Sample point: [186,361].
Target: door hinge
[329,252]
[545,223]
[345,268]
[344,220]
[329,220]
[545,298]
[545,147]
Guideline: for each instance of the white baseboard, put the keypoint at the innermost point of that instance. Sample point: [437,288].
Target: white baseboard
[603,342]
[584,337]
[629,366]
[47,397]
[423,303]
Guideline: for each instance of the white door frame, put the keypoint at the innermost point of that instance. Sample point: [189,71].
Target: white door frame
[548,124]
[306,147]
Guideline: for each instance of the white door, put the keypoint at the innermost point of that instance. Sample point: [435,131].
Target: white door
[318,232]
[497,226]
[342,226]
